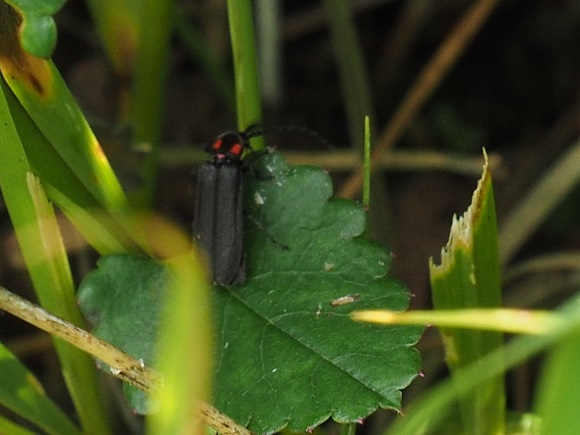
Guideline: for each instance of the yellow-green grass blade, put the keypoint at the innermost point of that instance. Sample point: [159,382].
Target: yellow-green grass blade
[185,349]
[431,409]
[6,426]
[21,392]
[103,231]
[469,277]
[45,97]
[43,252]
[513,321]
[99,229]
[70,183]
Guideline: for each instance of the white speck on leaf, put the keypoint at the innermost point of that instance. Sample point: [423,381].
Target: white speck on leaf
[258,199]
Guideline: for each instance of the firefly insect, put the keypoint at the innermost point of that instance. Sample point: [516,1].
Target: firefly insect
[218,214]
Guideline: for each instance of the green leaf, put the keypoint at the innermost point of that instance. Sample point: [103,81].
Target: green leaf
[38,33]
[124,298]
[37,7]
[285,354]
[282,347]
[21,392]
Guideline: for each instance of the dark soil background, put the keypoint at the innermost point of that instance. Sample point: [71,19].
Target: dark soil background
[514,91]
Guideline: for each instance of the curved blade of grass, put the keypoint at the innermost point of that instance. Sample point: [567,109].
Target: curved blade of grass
[45,97]
[6,426]
[43,252]
[500,319]
[432,408]
[469,277]
[101,229]
[76,183]
[185,351]
[558,395]
[22,393]
[351,67]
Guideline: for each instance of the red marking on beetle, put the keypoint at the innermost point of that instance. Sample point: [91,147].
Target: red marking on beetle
[344,300]
[237,149]
[217,145]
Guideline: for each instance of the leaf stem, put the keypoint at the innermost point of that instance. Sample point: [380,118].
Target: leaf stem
[248,101]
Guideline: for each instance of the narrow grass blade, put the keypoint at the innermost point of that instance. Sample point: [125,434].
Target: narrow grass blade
[351,66]
[248,100]
[558,395]
[493,319]
[43,252]
[21,392]
[47,100]
[185,348]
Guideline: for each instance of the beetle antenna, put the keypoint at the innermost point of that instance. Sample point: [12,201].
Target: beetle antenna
[255,130]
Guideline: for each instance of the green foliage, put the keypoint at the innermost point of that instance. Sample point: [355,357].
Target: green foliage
[248,99]
[124,298]
[38,34]
[42,248]
[559,394]
[469,277]
[22,393]
[282,348]
[286,355]
[304,251]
